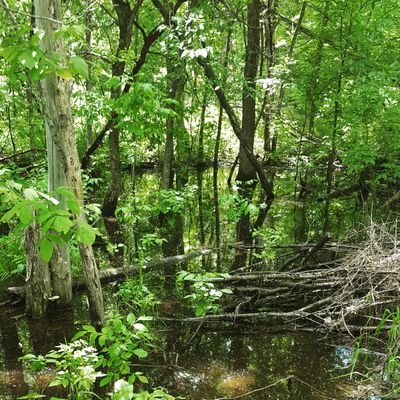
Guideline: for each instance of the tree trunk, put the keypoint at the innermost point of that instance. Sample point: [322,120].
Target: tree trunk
[125,16]
[38,282]
[247,175]
[58,123]
[64,163]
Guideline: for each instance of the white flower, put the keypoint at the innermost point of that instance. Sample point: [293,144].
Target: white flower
[280,43]
[120,384]
[269,84]
[88,372]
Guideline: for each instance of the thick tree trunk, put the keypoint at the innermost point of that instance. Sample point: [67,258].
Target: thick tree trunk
[38,282]
[58,122]
[64,163]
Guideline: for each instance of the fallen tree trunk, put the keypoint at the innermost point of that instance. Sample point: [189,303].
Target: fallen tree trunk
[119,274]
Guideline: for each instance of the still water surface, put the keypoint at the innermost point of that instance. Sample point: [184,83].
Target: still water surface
[223,362]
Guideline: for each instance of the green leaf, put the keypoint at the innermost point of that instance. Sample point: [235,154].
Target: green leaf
[105,381]
[79,66]
[79,334]
[74,206]
[27,58]
[10,53]
[131,318]
[140,353]
[31,396]
[64,73]
[140,327]
[143,379]
[9,214]
[25,214]
[62,224]
[46,250]
[86,234]
[56,239]
[63,191]
[102,340]
[89,328]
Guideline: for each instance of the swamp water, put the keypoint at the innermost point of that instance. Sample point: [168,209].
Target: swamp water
[222,362]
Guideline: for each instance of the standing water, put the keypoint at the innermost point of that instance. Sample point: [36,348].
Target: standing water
[225,362]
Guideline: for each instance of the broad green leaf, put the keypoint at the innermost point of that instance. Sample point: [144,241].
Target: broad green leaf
[139,327]
[56,239]
[86,234]
[79,66]
[105,381]
[89,328]
[46,249]
[43,216]
[140,353]
[63,191]
[74,206]
[25,214]
[28,58]
[9,214]
[64,73]
[62,224]
[10,53]
[131,318]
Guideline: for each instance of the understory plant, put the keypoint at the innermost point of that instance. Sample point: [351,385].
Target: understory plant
[387,333]
[136,297]
[107,354]
[74,365]
[205,296]
[121,340]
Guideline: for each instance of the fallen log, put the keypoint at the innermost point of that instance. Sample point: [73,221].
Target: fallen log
[119,274]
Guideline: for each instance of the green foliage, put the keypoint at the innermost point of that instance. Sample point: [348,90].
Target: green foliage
[120,340]
[174,200]
[124,391]
[137,298]
[75,366]
[78,365]
[390,338]
[206,296]
[270,237]
[59,220]
[358,157]
[235,206]
[12,260]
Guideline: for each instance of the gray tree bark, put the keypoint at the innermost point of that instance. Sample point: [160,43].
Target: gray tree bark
[38,282]
[64,166]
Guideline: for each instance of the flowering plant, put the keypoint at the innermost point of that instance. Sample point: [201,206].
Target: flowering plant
[75,366]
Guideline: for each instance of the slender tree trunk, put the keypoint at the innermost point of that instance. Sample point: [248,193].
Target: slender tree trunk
[200,150]
[200,161]
[247,175]
[125,16]
[301,191]
[216,159]
[89,83]
[336,114]
[64,163]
